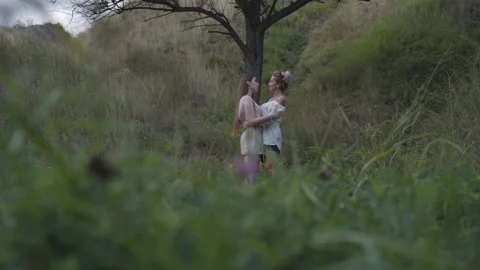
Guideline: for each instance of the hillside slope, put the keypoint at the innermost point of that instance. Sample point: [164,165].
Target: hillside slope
[370,65]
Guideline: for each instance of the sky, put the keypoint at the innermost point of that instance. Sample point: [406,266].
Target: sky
[41,11]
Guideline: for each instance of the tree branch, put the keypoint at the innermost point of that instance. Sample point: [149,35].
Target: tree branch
[96,9]
[218,32]
[273,17]
[194,20]
[199,26]
[157,17]
[272,8]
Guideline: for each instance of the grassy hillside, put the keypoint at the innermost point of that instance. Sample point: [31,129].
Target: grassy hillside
[379,172]
[368,65]
[162,87]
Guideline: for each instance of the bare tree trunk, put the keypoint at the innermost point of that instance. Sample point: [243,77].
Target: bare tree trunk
[253,57]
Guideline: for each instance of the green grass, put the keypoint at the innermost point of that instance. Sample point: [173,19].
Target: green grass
[165,211]
[162,211]
[396,52]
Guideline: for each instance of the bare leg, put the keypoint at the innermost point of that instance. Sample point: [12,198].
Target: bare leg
[269,160]
[252,164]
[269,165]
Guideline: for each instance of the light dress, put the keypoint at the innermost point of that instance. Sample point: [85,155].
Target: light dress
[251,142]
[272,134]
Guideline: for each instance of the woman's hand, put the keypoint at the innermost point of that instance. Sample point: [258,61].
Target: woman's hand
[274,115]
[246,124]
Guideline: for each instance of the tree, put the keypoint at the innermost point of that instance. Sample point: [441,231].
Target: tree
[259,15]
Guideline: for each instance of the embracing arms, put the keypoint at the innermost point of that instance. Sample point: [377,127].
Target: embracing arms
[261,120]
[245,113]
[265,119]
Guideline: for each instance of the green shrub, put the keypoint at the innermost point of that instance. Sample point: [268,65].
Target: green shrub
[410,45]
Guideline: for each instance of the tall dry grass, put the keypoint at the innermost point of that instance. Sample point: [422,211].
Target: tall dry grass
[358,82]
[160,82]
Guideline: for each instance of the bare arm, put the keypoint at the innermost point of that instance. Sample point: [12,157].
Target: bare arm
[261,120]
[247,104]
[265,119]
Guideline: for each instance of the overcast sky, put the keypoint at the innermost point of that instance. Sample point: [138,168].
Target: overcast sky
[41,11]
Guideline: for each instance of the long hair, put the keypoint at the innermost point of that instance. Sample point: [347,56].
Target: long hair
[242,91]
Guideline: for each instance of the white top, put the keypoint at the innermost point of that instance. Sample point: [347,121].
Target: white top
[272,134]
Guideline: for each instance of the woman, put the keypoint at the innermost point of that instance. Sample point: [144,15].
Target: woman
[272,134]
[251,142]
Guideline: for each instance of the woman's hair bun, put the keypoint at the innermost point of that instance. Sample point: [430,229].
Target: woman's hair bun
[287,76]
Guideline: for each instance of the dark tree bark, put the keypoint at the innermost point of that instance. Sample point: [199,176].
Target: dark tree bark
[253,57]
[259,15]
